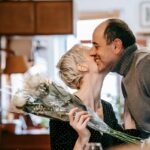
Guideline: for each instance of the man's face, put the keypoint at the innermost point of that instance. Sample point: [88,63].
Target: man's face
[103,53]
[90,62]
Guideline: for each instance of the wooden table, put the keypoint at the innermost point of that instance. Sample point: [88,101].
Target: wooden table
[25,142]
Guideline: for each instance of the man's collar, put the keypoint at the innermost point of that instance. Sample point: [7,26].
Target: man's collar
[125,61]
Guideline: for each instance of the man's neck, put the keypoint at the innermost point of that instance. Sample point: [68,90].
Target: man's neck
[125,60]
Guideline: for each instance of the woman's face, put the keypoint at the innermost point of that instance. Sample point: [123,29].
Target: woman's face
[89,60]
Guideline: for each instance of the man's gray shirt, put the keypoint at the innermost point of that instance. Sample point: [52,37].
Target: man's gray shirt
[134,66]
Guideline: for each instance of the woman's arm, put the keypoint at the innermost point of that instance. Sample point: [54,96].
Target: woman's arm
[79,120]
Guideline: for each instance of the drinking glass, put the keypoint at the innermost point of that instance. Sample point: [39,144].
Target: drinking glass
[93,146]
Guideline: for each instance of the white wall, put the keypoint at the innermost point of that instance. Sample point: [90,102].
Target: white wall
[130,10]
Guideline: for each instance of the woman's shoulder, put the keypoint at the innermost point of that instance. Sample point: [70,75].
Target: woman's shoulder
[109,114]
[105,103]
[107,108]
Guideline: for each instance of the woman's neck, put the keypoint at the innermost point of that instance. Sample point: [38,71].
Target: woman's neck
[90,90]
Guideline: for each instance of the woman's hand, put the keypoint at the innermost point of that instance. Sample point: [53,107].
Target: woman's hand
[79,120]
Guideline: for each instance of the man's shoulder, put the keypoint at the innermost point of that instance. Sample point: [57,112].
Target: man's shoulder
[142,49]
[142,52]
[142,56]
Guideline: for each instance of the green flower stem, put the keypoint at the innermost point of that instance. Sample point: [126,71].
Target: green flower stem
[125,137]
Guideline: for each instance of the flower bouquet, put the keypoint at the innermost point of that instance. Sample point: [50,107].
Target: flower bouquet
[42,97]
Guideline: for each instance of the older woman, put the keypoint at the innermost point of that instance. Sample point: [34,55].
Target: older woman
[79,71]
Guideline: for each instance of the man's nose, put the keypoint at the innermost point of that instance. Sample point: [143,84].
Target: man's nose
[92,51]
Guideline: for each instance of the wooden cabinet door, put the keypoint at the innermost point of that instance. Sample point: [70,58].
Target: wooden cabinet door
[16,18]
[36,17]
[54,17]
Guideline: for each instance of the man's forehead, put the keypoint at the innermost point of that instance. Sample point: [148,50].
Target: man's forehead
[98,38]
[100,29]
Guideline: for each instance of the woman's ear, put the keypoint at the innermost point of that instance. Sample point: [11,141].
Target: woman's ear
[83,67]
[117,46]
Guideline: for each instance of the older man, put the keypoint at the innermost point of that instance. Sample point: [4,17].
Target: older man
[114,48]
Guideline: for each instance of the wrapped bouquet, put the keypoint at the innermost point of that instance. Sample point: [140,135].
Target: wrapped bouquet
[42,97]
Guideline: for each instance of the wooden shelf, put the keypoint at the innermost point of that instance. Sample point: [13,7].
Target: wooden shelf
[143,33]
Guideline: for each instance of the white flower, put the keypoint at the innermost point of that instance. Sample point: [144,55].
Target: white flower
[33,81]
[148,140]
[18,100]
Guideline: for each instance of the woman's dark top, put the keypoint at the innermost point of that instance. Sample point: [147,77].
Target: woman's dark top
[63,136]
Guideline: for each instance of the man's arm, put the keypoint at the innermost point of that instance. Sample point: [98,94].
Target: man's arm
[112,121]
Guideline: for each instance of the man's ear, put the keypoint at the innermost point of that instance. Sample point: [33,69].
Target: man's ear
[117,46]
[83,67]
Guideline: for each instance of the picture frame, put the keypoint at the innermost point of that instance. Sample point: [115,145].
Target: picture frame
[145,14]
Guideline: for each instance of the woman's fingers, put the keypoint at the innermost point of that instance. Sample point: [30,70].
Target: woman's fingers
[72,113]
[78,120]
[80,126]
[80,115]
[86,121]
[83,118]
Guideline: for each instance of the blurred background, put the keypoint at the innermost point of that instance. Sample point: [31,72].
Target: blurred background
[34,34]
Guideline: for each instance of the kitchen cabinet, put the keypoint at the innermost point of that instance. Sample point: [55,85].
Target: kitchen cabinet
[36,17]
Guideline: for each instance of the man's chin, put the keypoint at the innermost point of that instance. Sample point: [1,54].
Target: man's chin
[102,68]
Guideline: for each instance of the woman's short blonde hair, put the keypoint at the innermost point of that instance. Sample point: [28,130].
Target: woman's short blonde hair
[67,66]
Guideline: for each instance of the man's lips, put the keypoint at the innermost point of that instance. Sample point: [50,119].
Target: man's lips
[97,59]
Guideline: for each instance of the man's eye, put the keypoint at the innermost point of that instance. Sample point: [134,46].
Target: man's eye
[96,47]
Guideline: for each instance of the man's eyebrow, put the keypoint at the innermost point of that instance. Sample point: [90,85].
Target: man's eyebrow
[94,43]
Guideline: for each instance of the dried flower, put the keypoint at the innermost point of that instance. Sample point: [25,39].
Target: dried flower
[18,99]
[43,97]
